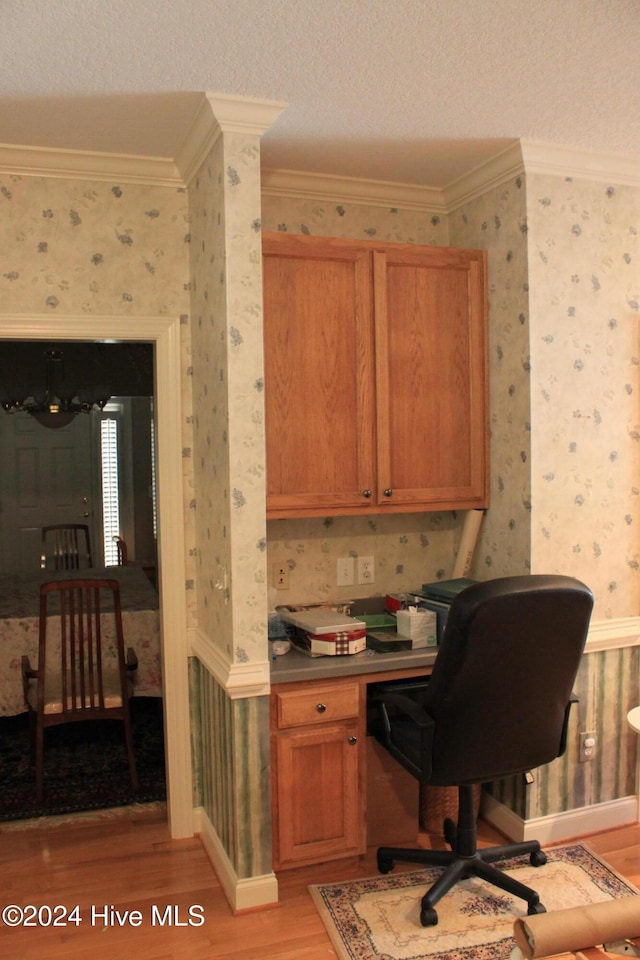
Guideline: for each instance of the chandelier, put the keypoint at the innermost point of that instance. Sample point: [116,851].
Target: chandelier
[60,401]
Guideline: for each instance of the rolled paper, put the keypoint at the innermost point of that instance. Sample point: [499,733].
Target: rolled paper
[468,539]
[577,928]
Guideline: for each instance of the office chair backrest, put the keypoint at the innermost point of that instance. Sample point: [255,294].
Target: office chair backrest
[503,678]
[65,546]
[81,649]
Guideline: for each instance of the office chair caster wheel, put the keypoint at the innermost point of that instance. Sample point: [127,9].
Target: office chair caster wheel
[535,908]
[538,858]
[450,832]
[385,864]
[428,917]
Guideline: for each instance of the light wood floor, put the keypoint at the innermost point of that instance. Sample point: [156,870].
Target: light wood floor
[126,860]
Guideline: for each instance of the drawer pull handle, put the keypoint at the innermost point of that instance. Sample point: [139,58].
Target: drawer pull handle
[321,707]
[352,741]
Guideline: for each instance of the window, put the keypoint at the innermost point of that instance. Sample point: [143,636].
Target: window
[110,488]
[154,488]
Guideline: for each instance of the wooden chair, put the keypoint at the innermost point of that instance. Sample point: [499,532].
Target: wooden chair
[123,552]
[82,673]
[61,545]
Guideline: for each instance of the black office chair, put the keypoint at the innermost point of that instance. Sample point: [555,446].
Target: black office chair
[497,704]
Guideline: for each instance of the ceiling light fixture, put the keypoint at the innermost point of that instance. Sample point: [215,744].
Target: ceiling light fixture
[60,401]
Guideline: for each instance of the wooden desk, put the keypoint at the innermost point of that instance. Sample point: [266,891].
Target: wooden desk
[19,626]
[319,768]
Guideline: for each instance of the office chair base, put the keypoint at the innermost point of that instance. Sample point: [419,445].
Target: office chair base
[466,860]
[460,868]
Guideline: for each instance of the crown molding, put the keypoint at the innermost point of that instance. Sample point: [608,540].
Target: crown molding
[217,115]
[198,143]
[251,117]
[326,187]
[504,166]
[25,161]
[569,162]
[244,114]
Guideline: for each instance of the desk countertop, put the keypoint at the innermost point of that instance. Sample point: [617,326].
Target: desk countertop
[294,666]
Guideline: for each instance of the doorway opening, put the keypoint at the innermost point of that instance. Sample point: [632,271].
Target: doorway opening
[164,334]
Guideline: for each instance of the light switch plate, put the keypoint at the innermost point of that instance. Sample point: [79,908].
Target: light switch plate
[345,576]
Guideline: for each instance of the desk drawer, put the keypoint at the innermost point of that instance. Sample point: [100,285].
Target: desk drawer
[317,705]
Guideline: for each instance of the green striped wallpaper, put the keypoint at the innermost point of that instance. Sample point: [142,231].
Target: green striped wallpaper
[608,686]
[231,770]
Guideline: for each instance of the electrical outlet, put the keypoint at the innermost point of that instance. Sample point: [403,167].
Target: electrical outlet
[345,576]
[366,570]
[587,746]
[281,576]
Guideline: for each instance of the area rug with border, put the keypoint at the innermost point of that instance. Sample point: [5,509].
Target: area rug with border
[85,764]
[379,918]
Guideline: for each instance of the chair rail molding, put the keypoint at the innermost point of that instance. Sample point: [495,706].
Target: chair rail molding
[238,680]
[613,634]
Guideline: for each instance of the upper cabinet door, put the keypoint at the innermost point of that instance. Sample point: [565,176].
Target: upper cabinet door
[319,376]
[431,377]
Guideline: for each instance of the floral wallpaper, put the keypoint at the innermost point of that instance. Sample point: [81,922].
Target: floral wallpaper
[73,247]
[210,546]
[496,222]
[584,276]
[229,505]
[354,221]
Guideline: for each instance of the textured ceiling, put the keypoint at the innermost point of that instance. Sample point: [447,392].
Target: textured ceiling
[416,91]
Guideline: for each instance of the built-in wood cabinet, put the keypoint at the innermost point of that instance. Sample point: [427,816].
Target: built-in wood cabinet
[375,377]
[317,742]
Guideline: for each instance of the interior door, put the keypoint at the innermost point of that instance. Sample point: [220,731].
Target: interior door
[45,478]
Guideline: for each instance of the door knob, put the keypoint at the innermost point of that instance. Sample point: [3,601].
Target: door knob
[388,492]
[366,493]
[352,741]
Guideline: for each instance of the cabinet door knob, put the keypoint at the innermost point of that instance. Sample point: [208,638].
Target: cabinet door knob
[366,493]
[321,707]
[352,741]
[388,492]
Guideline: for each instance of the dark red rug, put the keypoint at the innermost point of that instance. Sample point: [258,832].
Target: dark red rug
[85,765]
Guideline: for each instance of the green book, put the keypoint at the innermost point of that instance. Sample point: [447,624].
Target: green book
[446,590]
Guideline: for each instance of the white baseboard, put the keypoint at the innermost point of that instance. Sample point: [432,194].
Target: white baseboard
[245,894]
[560,826]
